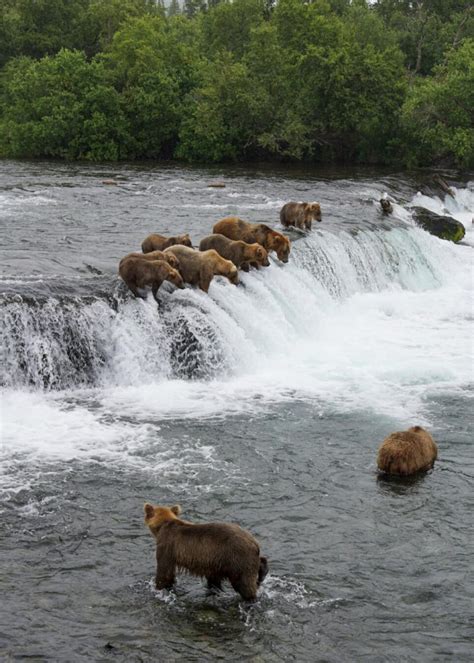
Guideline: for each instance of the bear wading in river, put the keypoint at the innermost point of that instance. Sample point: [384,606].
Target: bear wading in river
[271,240]
[300,215]
[407,452]
[139,273]
[153,255]
[199,267]
[243,255]
[160,243]
[215,551]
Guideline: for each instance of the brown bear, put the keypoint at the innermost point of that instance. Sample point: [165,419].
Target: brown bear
[243,255]
[216,551]
[154,255]
[407,452]
[271,240]
[300,215]
[386,205]
[139,273]
[160,243]
[199,267]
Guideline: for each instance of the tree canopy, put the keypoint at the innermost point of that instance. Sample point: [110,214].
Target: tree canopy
[315,80]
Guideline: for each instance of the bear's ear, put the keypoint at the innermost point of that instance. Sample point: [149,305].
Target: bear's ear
[416,429]
[176,509]
[149,510]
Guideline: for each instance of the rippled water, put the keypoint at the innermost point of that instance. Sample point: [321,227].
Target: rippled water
[262,404]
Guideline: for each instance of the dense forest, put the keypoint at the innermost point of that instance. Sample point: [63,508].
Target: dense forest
[324,80]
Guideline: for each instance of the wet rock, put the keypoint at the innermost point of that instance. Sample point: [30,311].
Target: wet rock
[444,227]
[216,185]
[111,182]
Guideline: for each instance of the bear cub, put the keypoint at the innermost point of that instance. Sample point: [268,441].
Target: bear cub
[216,551]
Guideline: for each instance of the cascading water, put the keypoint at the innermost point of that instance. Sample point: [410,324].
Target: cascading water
[57,342]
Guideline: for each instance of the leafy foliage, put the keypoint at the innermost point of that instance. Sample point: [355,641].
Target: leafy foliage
[238,79]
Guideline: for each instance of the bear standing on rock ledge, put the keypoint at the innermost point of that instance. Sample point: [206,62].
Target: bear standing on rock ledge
[271,240]
[216,551]
[199,267]
[138,273]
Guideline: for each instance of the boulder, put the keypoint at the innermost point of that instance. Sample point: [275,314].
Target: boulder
[216,185]
[444,227]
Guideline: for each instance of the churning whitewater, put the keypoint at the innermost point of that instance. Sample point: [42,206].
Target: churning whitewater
[240,404]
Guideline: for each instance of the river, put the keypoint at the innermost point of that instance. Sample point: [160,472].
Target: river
[262,404]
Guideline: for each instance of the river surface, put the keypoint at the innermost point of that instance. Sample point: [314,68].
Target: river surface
[262,404]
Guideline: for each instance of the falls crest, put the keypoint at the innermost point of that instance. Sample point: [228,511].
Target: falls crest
[59,342]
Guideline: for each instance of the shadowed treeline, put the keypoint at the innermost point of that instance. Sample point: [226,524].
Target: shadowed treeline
[328,80]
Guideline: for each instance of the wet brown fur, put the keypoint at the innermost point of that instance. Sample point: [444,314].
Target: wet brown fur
[243,255]
[154,255]
[199,267]
[160,243]
[271,240]
[407,452]
[300,215]
[139,273]
[216,551]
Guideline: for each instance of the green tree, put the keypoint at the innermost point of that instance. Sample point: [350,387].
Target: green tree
[60,106]
[438,115]
[228,26]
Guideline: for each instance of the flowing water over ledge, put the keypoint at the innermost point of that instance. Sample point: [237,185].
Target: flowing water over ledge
[262,404]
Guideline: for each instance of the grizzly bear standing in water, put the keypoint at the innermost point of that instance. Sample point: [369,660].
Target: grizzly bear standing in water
[240,253]
[139,273]
[407,452]
[199,267]
[271,240]
[300,215]
[216,551]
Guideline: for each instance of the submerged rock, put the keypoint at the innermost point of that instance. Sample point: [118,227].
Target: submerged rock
[444,227]
[216,185]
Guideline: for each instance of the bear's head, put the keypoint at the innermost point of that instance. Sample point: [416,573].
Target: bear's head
[155,516]
[280,244]
[185,240]
[312,212]
[256,253]
[233,273]
[174,277]
[172,260]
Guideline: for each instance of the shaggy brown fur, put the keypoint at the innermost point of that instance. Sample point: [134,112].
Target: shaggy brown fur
[160,243]
[216,551]
[243,255]
[235,228]
[199,267]
[407,452]
[154,255]
[300,215]
[139,273]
